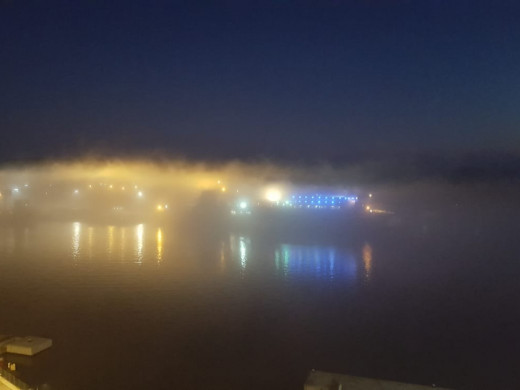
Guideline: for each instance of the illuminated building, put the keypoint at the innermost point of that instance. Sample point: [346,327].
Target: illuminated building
[319,201]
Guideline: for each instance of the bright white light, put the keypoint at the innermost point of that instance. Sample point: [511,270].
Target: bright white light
[76,192]
[140,194]
[243,205]
[369,195]
[139,232]
[273,195]
[16,189]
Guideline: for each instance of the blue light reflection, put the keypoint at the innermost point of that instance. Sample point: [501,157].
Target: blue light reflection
[322,262]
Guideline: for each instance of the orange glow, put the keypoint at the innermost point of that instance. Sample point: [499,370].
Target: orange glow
[367,259]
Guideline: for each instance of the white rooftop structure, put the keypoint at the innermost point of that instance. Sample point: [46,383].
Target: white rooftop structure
[320,380]
[27,346]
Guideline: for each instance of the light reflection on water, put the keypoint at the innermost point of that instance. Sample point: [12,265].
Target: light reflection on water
[76,236]
[323,262]
[146,244]
[367,260]
[159,245]
[90,233]
[326,262]
[244,284]
[110,248]
[139,235]
[123,244]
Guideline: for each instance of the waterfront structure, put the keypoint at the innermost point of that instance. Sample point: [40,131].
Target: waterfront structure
[15,355]
[318,201]
[28,346]
[321,380]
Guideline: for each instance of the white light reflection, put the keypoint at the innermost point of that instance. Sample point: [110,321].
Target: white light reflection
[239,249]
[76,235]
[139,235]
[243,252]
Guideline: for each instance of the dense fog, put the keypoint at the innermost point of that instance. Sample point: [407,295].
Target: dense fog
[130,190]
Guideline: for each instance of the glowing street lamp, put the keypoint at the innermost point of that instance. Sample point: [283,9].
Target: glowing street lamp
[273,195]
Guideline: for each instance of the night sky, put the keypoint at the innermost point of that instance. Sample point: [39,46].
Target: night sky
[284,80]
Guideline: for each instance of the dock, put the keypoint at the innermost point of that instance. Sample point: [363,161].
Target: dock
[321,380]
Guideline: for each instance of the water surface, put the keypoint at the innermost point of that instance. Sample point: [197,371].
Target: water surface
[158,306]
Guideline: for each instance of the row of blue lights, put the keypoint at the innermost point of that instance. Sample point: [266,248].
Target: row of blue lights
[338,197]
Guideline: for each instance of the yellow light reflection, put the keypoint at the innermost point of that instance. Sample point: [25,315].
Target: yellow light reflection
[110,241]
[367,260]
[90,234]
[139,234]
[159,237]
[76,235]
[123,243]
[222,257]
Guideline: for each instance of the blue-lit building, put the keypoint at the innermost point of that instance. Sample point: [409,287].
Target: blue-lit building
[319,201]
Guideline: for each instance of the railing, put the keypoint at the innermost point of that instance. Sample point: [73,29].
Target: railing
[14,380]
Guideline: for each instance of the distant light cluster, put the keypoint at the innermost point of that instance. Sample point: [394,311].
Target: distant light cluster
[317,201]
[320,201]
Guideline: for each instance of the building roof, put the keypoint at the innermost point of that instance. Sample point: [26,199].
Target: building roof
[320,380]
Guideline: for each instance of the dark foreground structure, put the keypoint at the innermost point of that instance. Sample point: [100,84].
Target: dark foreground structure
[320,380]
